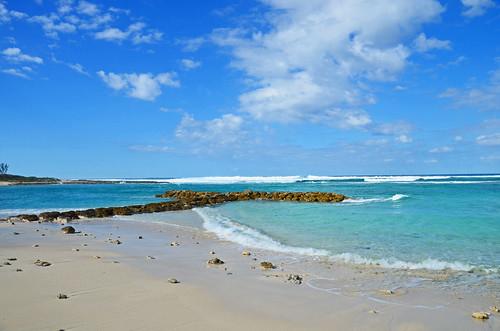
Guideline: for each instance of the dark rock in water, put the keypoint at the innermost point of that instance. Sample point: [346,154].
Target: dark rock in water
[27,218]
[267,265]
[62,296]
[42,263]
[215,261]
[184,200]
[68,230]
[49,216]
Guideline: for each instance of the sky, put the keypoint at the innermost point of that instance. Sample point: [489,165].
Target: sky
[150,88]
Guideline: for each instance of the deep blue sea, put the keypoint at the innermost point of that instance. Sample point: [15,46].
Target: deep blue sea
[433,222]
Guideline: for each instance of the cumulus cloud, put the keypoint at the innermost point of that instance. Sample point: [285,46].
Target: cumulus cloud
[423,44]
[15,54]
[489,140]
[315,60]
[144,86]
[6,15]
[219,132]
[135,32]
[475,8]
[189,64]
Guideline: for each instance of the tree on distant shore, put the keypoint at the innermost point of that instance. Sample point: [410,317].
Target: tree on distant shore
[4,167]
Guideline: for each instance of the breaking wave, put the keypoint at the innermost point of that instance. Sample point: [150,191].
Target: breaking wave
[230,230]
[395,197]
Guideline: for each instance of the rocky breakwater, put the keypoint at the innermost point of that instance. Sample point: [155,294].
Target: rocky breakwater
[180,200]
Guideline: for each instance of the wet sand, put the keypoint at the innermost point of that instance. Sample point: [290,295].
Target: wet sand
[127,287]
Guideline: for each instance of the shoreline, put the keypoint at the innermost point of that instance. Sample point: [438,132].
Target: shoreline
[331,295]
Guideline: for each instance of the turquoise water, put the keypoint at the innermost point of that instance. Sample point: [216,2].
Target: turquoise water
[407,222]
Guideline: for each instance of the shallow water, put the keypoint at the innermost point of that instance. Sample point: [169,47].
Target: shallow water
[433,222]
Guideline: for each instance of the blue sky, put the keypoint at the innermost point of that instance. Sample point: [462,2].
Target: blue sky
[153,88]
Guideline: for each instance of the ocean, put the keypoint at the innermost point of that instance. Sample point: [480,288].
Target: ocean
[408,222]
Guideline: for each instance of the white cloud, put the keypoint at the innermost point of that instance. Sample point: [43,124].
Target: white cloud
[52,25]
[134,31]
[144,86]
[489,140]
[15,54]
[404,139]
[458,138]
[316,59]
[15,72]
[193,44]
[218,132]
[485,97]
[112,34]
[87,8]
[150,148]
[423,44]
[7,15]
[443,149]
[74,66]
[475,8]
[189,64]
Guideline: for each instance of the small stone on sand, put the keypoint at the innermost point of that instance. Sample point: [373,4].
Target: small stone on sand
[149,257]
[97,257]
[12,259]
[140,237]
[16,233]
[42,263]
[212,252]
[62,296]
[481,315]
[68,230]
[267,265]
[246,253]
[373,311]
[495,309]
[173,281]
[296,279]
[19,270]
[35,245]
[215,261]
[6,263]
[174,243]
[75,250]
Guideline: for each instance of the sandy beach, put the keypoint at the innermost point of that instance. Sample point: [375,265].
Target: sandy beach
[126,286]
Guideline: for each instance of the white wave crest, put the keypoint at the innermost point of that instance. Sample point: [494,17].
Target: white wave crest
[229,230]
[429,264]
[395,197]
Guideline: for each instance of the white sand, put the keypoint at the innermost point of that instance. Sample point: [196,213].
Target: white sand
[134,294]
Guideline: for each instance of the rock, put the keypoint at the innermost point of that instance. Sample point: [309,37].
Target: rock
[388,292]
[481,315]
[49,216]
[267,265]
[173,281]
[116,242]
[62,296]
[296,279]
[246,253]
[140,237]
[7,263]
[28,218]
[68,230]
[12,259]
[42,263]
[97,257]
[215,261]
[212,252]
[373,311]
[75,249]
[149,257]
[35,245]
[174,243]
[495,309]
[19,270]
[16,233]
